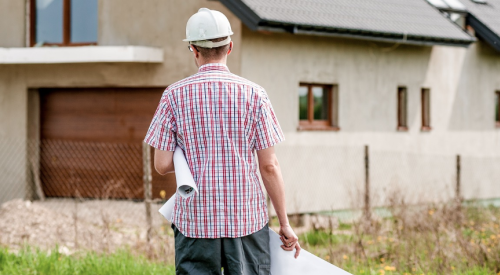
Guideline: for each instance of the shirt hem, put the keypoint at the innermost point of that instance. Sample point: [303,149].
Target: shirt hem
[226,237]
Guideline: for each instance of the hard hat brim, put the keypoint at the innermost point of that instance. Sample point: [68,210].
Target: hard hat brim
[209,44]
[208,38]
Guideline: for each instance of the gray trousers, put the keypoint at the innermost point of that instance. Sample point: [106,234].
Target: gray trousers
[246,255]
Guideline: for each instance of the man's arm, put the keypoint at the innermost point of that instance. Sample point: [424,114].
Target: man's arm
[164,161]
[273,181]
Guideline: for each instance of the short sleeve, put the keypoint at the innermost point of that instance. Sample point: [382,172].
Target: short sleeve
[268,130]
[161,133]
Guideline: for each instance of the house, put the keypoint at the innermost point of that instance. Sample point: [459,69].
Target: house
[80,81]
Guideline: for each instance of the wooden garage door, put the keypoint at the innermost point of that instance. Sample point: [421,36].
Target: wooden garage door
[91,142]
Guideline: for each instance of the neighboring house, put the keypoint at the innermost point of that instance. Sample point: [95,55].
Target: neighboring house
[400,76]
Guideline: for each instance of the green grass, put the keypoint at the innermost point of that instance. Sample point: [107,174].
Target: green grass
[32,261]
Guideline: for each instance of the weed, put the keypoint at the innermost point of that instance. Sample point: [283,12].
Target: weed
[435,239]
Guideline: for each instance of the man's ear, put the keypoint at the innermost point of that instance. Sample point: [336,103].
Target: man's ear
[230,48]
[195,51]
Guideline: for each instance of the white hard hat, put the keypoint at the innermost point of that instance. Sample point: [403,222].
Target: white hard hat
[208,24]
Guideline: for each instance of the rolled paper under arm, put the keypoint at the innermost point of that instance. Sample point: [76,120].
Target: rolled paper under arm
[186,187]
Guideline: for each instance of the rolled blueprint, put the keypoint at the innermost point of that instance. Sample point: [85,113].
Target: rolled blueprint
[282,262]
[186,186]
[167,209]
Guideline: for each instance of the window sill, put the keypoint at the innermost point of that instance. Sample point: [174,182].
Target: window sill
[402,129]
[317,128]
[425,129]
[64,45]
[81,54]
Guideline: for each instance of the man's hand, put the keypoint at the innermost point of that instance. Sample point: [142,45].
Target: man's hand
[273,181]
[289,239]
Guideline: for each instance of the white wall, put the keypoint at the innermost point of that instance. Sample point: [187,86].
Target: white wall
[420,166]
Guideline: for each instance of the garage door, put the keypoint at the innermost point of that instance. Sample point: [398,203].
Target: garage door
[91,142]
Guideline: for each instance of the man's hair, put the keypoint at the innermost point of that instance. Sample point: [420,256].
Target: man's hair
[214,53]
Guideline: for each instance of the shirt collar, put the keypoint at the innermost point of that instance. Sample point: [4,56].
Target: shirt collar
[213,67]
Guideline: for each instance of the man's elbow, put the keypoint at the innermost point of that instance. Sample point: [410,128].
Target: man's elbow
[270,168]
[163,168]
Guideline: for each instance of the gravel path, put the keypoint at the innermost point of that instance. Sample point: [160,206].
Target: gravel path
[73,225]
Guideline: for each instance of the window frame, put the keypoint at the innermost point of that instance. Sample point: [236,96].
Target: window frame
[497,109]
[66,41]
[331,123]
[402,109]
[426,109]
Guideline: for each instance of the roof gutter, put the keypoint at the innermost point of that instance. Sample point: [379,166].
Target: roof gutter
[484,32]
[401,38]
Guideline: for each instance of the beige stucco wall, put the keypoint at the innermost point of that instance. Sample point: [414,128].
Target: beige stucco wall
[12,17]
[325,170]
[121,22]
[13,135]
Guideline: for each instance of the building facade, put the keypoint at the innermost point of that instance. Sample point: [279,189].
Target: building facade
[416,97]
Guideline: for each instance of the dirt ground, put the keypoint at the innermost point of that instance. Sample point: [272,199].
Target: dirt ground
[75,225]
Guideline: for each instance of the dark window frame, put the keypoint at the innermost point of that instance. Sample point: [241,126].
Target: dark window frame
[66,26]
[402,101]
[497,109]
[426,109]
[331,123]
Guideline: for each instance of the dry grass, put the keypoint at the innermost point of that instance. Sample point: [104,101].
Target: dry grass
[436,239]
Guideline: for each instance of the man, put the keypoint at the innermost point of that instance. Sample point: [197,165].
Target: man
[219,120]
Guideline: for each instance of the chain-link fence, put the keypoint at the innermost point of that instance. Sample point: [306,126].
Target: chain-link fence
[88,195]
[82,195]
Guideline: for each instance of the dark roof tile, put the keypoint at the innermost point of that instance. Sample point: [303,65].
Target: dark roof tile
[415,19]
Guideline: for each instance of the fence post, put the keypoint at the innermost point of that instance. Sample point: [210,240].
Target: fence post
[457,187]
[147,178]
[366,209]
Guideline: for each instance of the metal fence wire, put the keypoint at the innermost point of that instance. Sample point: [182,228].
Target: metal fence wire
[101,195]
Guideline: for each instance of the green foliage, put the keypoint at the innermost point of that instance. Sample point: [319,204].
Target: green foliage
[316,238]
[32,261]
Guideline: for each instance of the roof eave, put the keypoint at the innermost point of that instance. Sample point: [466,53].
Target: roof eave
[363,34]
[243,12]
[484,32]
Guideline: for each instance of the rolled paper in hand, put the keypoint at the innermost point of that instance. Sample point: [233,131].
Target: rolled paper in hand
[282,262]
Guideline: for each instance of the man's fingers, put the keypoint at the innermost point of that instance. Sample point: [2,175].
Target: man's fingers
[289,241]
[291,248]
[297,246]
[289,244]
[287,248]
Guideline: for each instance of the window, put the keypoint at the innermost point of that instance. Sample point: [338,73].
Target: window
[497,108]
[318,107]
[63,22]
[426,110]
[402,109]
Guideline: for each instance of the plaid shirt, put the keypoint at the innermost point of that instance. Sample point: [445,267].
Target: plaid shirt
[218,119]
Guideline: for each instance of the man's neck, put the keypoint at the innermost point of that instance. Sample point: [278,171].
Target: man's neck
[204,62]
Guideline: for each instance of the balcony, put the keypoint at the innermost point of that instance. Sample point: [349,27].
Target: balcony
[84,54]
